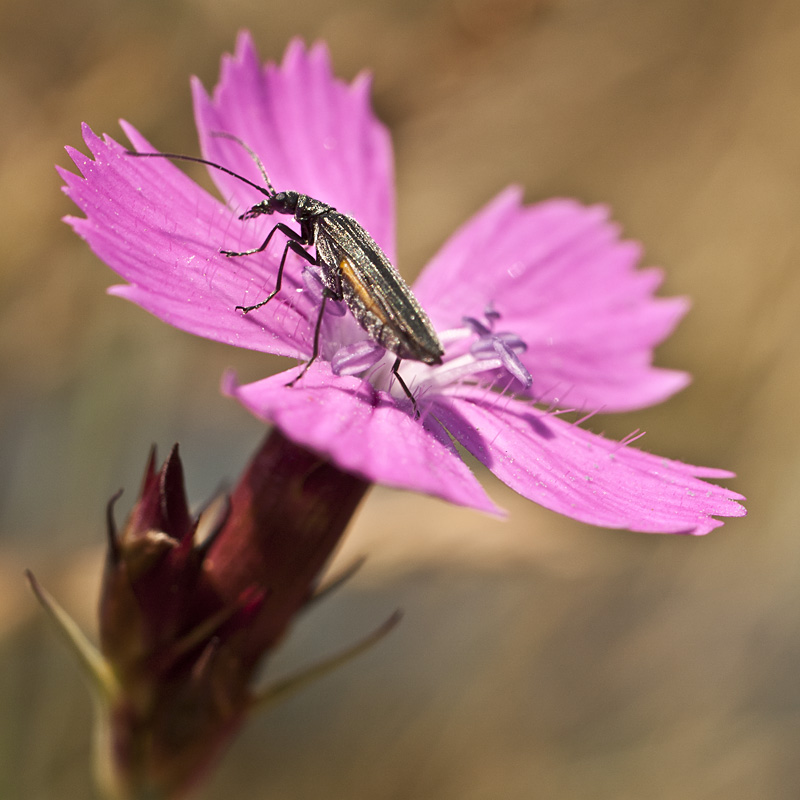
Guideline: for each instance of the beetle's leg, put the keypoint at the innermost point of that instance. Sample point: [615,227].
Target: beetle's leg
[295,247]
[315,347]
[405,388]
[284,229]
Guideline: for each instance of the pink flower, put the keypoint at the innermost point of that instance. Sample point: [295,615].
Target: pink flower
[538,304]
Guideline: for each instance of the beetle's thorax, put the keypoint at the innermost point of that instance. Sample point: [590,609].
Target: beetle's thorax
[305,207]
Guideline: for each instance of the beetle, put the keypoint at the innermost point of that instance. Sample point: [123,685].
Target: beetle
[352,268]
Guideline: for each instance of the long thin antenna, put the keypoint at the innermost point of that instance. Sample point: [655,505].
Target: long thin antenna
[253,155]
[179,157]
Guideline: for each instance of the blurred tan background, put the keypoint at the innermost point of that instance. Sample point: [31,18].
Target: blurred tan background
[538,658]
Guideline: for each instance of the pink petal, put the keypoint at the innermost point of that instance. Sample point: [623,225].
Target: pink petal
[315,134]
[564,281]
[162,232]
[364,432]
[584,476]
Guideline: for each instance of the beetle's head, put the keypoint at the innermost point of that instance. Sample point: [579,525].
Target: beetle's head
[283,203]
[278,203]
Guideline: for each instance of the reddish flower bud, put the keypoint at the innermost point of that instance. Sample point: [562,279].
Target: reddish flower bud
[184,623]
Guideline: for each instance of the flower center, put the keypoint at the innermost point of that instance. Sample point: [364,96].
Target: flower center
[473,352]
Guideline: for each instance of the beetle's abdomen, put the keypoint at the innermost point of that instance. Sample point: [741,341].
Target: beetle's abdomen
[366,306]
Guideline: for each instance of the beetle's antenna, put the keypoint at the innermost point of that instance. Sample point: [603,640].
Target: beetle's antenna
[179,157]
[253,155]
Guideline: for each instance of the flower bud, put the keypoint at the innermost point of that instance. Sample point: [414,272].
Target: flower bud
[185,619]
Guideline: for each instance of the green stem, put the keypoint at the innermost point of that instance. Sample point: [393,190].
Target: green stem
[281,690]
